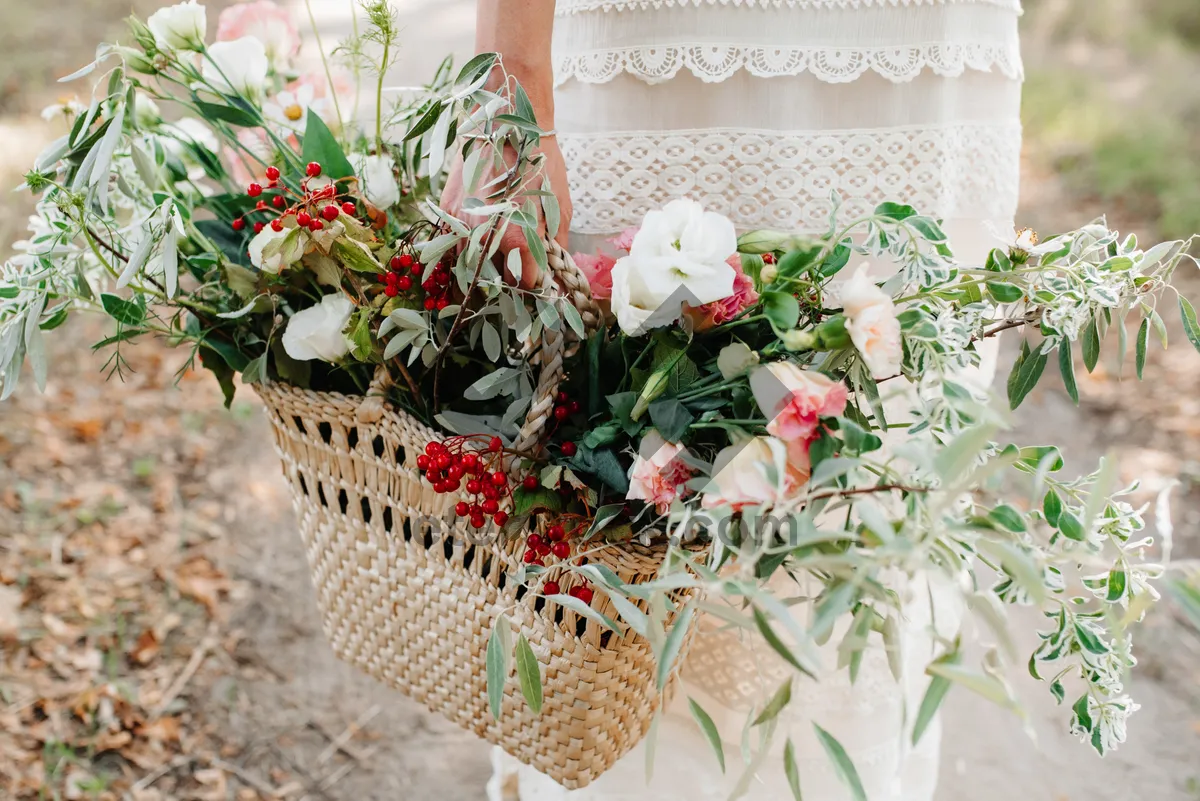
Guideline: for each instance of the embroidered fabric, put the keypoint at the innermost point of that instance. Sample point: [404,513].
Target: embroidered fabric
[713,42]
[566,7]
[784,179]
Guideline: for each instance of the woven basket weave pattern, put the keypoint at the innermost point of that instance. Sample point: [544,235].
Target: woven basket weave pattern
[414,607]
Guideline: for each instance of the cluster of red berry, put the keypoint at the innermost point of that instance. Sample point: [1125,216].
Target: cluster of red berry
[564,407]
[437,288]
[311,208]
[394,280]
[454,466]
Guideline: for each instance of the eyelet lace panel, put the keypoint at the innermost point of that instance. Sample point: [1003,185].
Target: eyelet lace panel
[761,178]
[567,7]
[714,63]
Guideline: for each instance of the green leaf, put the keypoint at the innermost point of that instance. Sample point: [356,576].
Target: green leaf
[526,501]
[1008,517]
[1005,293]
[536,247]
[499,654]
[239,113]
[934,695]
[671,418]
[710,731]
[1091,345]
[928,228]
[894,211]
[1070,526]
[673,643]
[768,633]
[1081,712]
[1052,507]
[1190,326]
[779,700]
[603,464]
[1117,584]
[841,761]
[797,261]
[1066,366]
[1089,640]
[580,608]
[321,146]
[1139,351]
[55,320]
[1028,371]
[998,262]
[781,308]
[123,311]
[790,769]
[529,673]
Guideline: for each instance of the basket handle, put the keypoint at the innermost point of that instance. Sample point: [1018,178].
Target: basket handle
[563,277]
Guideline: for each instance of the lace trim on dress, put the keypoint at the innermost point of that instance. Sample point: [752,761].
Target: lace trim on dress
[783,179]
[566,7]
[713,63]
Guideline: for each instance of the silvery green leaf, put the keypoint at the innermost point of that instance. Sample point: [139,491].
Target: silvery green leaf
[170,260]
[790,769]
[399,342]
[781,698]
[471,169]
[428,354]
[85,169]
[254,303]
[491,342]
[673,643]
[478,209]
[842,762]
[710,731]
[105,150]
[499,657]
[550,210]
[433,249]
[491,384]
[36,352]
[529,674]
[147,170]
[579,607]
[571,315]
[137,259]
[437,142]
[513,262]
[548,314]
[456,225]
[938,687]
[103,52]
[408,318]
[987,686]
[52,153]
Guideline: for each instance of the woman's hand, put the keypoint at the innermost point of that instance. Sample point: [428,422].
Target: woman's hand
[553,169]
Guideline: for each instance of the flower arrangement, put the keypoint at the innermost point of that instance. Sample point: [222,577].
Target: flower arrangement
[760,403]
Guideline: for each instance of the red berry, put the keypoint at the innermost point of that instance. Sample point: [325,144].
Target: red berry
[561,549]
[276,225]
[260,205]
[498,479]
[544,549]
[568,449]
[239,223]
[563,397]
[469,460]
[391,290]
[478,522]
[390,278]
[461,508]
[573,407]
[490,506]
[500,518]
[313,169]
[534,542]
[254,190]
[556,533]
[422,462]
[404,282]
[495,444]
[433,448]
[538,563]
[442,303]
[768,258]
[530,482]
[441,279]
[452,484]
[395,263]
[585,595]
[491,492]
[444,461]
[303,218]
[551,588]
[258,227]
[330,212]
[273,173]
[560,412]
[279,201]
[430,304]
[349,208]
[406,261]
[473,486]
[316,225]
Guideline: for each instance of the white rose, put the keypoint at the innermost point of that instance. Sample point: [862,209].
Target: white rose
[872,324]
[376,179]
[316,332]
[739,475]
[271,250]
[735,360]
[237,67]
[679,255]
[179,27]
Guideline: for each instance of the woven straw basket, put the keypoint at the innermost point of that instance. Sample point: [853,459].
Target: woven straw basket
[413,603]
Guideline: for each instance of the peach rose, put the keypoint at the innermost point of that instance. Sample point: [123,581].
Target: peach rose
[598,271]
[722,311]
[872,325]
[739,476]
[658,475]
[265,21]
[794,400]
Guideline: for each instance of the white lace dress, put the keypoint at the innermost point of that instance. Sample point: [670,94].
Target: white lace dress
[759,109]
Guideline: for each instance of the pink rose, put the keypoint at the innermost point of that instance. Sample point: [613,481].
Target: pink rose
[793,401]
[624,240]
[658,475]
[739,476]
[722,311]
[265,21]
[598,271]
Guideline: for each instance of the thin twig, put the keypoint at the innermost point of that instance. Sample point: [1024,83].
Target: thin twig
[106,245]
[337,775]
[339,742]
[866,491]
[249,779]
[162,770]
[189,670]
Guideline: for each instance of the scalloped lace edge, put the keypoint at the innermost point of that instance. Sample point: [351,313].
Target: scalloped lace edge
[713,63]
[568,7]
